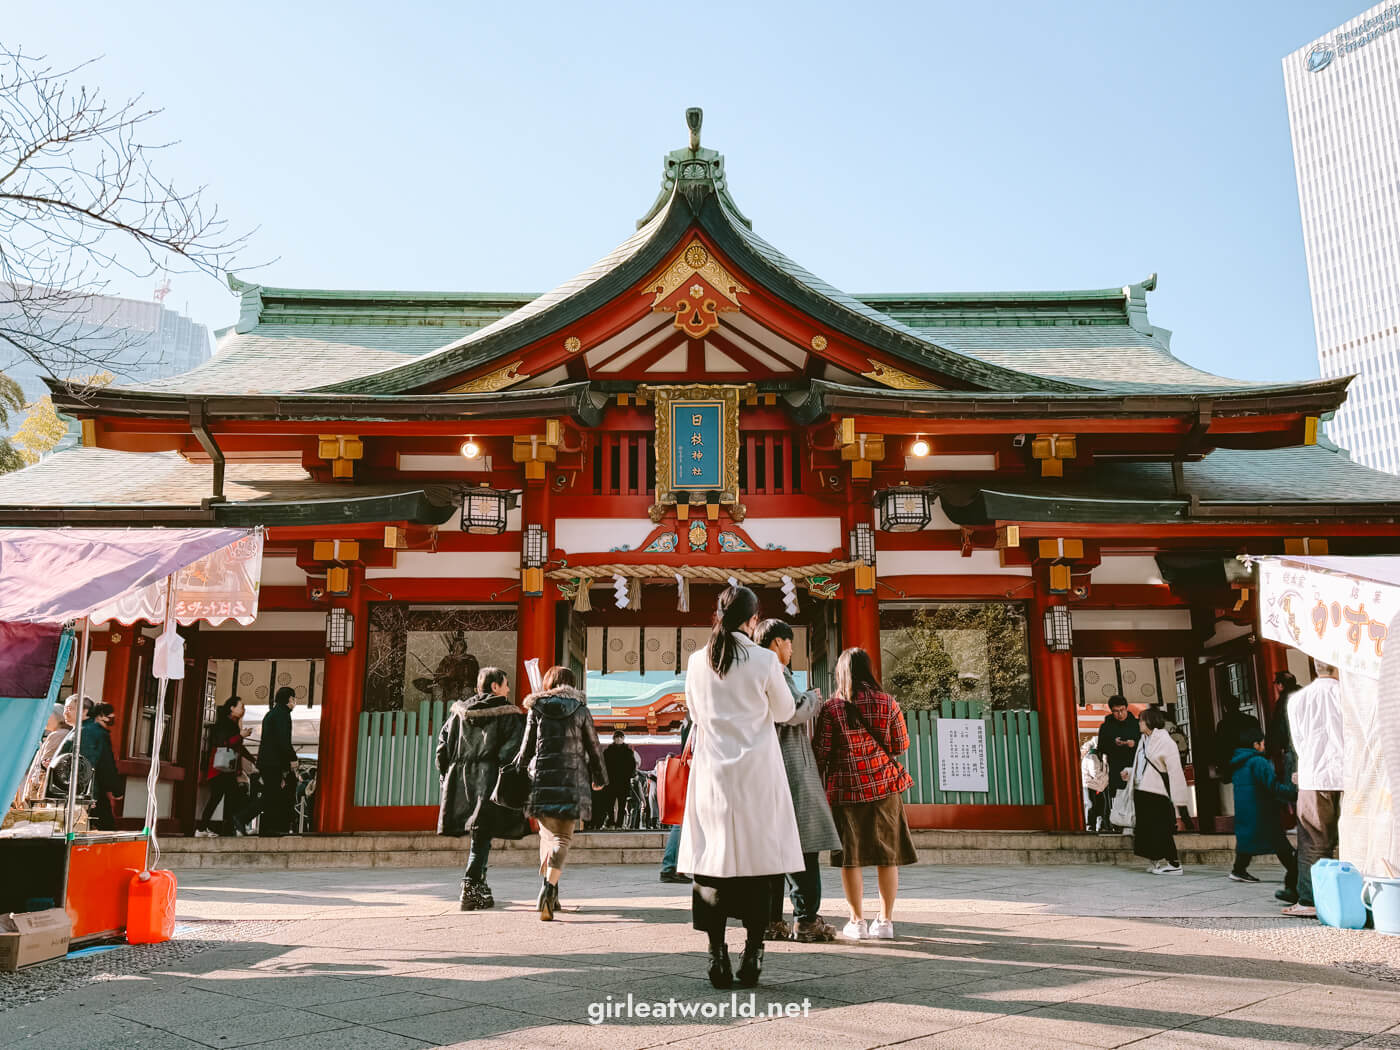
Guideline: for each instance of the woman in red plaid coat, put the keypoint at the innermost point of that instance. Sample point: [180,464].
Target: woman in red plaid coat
[858,734]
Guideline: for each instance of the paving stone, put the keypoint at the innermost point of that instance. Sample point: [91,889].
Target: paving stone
[462,1025]
[258,1025]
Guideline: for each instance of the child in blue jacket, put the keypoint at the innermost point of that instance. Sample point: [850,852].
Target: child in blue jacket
[1258,815]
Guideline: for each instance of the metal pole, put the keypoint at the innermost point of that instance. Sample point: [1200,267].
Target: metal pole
[73,766]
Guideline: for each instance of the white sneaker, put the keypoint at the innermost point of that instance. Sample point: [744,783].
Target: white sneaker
[855,930]
[882,930]
[204,834]
[1127,831]
[1152,868]
[1168,869]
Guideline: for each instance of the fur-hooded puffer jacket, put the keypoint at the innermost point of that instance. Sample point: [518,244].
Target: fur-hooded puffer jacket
[481,734]
[562,755]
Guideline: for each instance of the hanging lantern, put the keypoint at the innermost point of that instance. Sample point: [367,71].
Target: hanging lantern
[905,510]
[484,511]
[536,546]
[863,544]
[340,631]
[1059,629]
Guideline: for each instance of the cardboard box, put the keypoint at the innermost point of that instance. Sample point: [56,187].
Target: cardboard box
[33,936]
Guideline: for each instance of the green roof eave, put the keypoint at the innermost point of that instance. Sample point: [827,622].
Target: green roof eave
[823,398]
[571,399]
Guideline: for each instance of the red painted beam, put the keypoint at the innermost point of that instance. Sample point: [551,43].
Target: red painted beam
[948,588]
[1135,643]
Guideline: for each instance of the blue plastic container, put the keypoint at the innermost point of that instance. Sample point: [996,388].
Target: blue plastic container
[1337,888]
[1382,896]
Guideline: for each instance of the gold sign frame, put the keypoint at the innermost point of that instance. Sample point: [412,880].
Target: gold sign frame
[666,493]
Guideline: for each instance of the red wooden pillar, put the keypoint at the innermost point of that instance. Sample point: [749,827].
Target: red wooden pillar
[1053,674]
[116,682]
[535,631]
[1272,658]
[860,613]
[342,697]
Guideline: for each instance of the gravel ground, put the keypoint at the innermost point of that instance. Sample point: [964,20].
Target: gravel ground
[1362,952]
[45,980]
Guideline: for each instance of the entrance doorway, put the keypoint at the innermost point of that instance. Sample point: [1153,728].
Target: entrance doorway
[633,660]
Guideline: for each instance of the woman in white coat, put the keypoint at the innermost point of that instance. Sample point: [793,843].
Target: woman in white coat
[1159,786]
[739,827]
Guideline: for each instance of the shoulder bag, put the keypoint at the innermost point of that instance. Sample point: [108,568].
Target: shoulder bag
[512,788]
[672,782]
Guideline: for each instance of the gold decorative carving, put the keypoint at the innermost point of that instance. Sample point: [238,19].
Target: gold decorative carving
[890,376]
[497,380]
[697,305]
[818,342]
[666,493]
[573,344]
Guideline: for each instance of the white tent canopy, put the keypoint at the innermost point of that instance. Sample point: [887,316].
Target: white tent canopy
[1345,612]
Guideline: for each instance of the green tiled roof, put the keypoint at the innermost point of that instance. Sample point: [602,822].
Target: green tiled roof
[395,342]
[1304,482]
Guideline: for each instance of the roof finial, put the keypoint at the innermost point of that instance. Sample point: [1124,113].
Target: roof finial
[694,117]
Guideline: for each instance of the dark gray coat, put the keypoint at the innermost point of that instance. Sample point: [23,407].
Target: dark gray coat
[815,828]
[562,755]
[481,733]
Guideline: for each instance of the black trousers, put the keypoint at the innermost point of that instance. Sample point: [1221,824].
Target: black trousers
[1287,856]
[223,788]
[274,802]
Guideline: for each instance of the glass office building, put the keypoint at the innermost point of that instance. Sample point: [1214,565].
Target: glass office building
[1344,112]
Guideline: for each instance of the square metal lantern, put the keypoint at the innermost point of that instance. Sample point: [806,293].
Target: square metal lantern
[536,551]
[340,631]
[484,511]
[905,510]
[862,544]
[1059,629]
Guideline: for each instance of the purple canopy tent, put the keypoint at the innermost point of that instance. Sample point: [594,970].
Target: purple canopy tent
[51,576]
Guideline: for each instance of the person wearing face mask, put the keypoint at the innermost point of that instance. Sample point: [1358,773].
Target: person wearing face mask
[95,746]
[223,778]
[739,828]
[1159,786]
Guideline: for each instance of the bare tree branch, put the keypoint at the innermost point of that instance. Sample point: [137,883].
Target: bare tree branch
[80,200]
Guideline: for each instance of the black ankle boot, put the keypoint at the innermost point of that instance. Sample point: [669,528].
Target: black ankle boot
[750,965]
[720,973]
[547,901]
[469,900]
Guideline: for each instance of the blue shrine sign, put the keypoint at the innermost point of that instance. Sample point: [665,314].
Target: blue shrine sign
[697,445]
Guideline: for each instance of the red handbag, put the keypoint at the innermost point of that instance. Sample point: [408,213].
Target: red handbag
[672,780]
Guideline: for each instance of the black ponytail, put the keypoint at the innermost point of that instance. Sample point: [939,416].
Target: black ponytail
[737,606]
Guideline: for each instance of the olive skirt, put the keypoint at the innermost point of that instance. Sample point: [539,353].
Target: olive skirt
[873,834]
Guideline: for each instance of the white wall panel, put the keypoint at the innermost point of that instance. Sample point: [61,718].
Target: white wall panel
[943,563]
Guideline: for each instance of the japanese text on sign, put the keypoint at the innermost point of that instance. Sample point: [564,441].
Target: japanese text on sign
[697,444]
[962,754]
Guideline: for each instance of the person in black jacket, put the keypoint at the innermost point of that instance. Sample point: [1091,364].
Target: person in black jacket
[277,765]
[482,733]
[224,783]
[95,747]
[621,763]
[565,762]
[1231,732]
[1118,741]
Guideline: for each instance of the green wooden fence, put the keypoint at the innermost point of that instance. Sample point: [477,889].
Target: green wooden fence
[396,761]
[1013,757]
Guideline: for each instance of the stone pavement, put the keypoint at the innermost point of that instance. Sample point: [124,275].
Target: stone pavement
[985,957]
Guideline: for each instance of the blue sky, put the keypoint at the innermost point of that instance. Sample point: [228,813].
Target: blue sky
[887,147]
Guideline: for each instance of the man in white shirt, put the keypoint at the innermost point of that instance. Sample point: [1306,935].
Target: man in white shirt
[1315,724]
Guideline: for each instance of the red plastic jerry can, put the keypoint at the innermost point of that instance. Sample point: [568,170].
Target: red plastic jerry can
[150,910]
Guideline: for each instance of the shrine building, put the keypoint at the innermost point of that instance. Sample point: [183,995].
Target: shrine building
[1021,503]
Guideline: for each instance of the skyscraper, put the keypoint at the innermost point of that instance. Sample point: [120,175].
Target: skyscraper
[1344,112]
